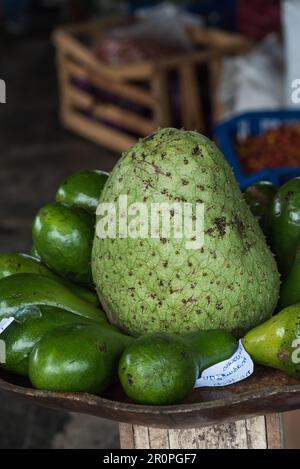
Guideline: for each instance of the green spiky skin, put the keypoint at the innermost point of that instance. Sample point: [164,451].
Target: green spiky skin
[149,285]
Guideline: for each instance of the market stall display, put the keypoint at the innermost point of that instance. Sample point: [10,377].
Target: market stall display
[64,345]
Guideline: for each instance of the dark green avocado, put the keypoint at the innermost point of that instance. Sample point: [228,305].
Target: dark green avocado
[77,358]
[82,189]
[259,197]
[284,224]
[30,325]
[16,263]
[158,369]
[63,236]
[20,290]
[211,347]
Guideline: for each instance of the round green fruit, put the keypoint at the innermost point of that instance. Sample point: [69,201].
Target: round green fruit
[63,236]
[158,369]
[76,358]
[284,224]
[82,189]
[259,197]
[30,325]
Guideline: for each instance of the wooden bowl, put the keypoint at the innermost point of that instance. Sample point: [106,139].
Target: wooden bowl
[266,391]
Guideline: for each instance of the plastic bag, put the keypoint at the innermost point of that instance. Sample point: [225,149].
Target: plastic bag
[155,22]
[158,32]
[291,21]
[255,81]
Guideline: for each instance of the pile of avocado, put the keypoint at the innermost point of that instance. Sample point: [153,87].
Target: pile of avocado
[61,338]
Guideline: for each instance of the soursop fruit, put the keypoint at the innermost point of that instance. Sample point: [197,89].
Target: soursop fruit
[160,283]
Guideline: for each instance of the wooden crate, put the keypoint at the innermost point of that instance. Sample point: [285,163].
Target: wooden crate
[143,84]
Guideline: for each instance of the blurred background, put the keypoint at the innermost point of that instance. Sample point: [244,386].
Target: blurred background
[86,78]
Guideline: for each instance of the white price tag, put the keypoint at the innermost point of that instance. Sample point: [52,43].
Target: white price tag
[240,366]
[5,323]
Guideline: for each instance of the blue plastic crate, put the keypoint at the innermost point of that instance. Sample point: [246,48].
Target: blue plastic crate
[254,123]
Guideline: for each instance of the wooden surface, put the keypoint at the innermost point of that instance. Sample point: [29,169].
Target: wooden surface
[291,425]
[216,69]
[254,433]
[266,392]
[274,431]
[191,109]
[160,93]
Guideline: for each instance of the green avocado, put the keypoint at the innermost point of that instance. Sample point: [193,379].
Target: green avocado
[284,224]
[63,236]
[158,369]
[16,263]
[211,347]
[276,343]
[290,288]
[20,290]
[76,358]
[12,263]
[82,189]
[30,325]
[259,197]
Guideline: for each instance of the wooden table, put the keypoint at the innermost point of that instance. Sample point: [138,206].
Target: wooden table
[244,415]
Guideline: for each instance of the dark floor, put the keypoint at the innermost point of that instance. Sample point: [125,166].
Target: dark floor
[35,154]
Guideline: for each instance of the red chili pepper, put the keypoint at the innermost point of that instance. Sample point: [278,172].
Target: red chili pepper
[272,149]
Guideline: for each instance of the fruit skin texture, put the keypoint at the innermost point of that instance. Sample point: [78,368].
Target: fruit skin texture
[22,290]
[148,285]
[30,325]
[82,189]
[274,342]
[158,369]
[63,236]
[15,263]
[76,358]
[284,223]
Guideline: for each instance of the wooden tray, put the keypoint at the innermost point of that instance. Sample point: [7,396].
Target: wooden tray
[267,391]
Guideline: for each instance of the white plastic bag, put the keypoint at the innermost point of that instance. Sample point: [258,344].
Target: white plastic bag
[164,23]
[158,32]
[291,24]
[255,81]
